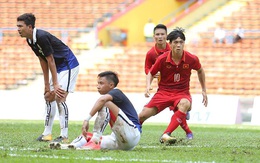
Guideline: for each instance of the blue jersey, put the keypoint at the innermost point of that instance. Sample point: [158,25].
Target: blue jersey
[120,100]
[45,44]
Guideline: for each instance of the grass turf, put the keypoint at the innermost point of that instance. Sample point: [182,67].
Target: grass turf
[211,143]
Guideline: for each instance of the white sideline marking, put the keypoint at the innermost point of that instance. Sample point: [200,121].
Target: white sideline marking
[91,158]
[143,147]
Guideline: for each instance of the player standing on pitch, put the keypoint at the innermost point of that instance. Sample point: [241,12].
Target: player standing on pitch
[57,58]
[175,70]
[160,47]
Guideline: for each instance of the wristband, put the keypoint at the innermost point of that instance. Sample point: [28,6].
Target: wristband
[88,117]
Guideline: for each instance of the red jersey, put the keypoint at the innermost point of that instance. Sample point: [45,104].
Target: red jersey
[152,55]
[175,77]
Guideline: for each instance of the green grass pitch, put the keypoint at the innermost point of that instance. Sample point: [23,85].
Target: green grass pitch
[211,144]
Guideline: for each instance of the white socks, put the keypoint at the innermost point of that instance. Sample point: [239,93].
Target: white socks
[50,115]
[100,124]
[64,119]
[50,109]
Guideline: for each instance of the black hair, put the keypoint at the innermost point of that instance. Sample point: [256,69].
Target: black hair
[110,76]
[177,32]
[28,18]
[160,26]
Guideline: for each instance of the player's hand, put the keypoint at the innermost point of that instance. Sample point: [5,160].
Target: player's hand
[46,89]
[205,98]
[49,96]
[59,92]
[157,75]
[147,92]
[85,127]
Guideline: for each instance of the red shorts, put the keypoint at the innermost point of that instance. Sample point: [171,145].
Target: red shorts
[163,99]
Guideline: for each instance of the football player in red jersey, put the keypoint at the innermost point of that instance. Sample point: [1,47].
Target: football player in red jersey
[175,70]
[161,46]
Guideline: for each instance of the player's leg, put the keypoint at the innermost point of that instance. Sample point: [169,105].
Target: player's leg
[126,132]
[158,103]
[67,81]
[50,109]
[125,135]
[100,124]
[146,113]
[64,121]
[75,144]
[81,140]
[184,124]
[179,117]
[187,114]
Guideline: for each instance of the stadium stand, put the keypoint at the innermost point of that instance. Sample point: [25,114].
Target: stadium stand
[230,69]
[65,19]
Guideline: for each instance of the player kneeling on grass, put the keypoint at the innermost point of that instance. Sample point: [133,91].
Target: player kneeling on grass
[114,107]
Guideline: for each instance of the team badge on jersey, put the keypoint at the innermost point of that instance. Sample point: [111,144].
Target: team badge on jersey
[168,66]
[185,66]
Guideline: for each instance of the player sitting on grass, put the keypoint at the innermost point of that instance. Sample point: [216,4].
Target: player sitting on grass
[113,107]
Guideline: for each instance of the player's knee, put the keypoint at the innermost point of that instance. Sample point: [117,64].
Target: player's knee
[184,105]
[49,96]
[112,107]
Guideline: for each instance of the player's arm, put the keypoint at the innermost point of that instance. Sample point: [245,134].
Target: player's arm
[97,106]
[45,70]
[202,80]
[149,80]
[147,64]
[100,103]
[52,66]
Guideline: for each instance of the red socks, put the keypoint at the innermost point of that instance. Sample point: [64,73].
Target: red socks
[184,126]
[178,118]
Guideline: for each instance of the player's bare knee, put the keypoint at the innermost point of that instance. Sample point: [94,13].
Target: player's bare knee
[49,96]
[184,105]
[112,107]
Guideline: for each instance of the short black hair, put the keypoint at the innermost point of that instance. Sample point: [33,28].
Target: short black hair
[177,32]
[28,18]
[160,26]
[110,76]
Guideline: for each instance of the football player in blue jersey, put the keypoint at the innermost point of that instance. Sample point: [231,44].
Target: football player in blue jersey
[58,59]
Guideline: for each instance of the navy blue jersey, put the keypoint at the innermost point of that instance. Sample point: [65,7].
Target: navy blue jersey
[120,100]
[45,44]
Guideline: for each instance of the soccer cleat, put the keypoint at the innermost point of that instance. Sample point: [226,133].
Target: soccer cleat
[61,139]
[189,136]
[91,145]
[58,145]
[55,145]
[78,142]
[188,115]
[89,136]
[44,138]
[167,139]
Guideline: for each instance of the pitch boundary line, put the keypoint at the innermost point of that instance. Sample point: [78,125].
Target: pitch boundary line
[92,158]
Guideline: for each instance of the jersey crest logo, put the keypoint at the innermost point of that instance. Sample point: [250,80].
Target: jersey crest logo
[168,66]
[185,66]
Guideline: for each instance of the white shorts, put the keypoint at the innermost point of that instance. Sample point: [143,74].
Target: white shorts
[125,135]
[67,79]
